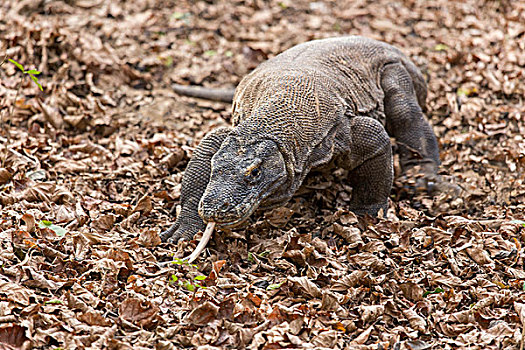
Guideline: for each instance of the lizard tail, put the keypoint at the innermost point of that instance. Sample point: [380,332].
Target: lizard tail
[222,95]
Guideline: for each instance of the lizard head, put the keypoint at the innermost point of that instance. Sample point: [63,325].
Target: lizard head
[243,174]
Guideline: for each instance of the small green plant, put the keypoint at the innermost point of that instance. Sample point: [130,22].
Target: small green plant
[435,291]
[183,262]
[262,255]
[31,73]
[275,286]
[440,47]
[57,229]
[193,285]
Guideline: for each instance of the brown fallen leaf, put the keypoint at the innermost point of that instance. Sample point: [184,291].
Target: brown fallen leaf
[202,314]
[13,337]
[144,206]
[103,223]
[142,313]
[305,286]
[149,238]
[5,176]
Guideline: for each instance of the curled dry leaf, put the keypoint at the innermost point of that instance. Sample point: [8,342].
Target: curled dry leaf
[352,235]
[202,314]
[14,337]
[371,313]
[326,339]
[143,206]
[149,238]
[439,271]
[306,286]
[142,313]
[103,223]
[5,176]
[416,322]
[355,278]
[30,222]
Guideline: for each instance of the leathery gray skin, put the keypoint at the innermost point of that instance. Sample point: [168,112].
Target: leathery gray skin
[243,174]
[331,101]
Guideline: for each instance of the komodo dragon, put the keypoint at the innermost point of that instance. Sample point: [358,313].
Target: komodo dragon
[325,101]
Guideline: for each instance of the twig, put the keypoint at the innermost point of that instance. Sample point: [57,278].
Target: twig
[22,155]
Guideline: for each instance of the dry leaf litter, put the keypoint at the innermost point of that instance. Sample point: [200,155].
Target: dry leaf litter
[91,167]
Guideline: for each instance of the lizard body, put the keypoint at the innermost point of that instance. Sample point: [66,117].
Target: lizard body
[332,100]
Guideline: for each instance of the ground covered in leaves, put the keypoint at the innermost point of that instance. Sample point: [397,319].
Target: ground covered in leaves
[91,166]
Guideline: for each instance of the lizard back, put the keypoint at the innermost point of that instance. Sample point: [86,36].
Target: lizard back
[298,95]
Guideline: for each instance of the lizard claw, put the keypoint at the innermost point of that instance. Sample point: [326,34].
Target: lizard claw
[435,184]
[178,232]
[167,236]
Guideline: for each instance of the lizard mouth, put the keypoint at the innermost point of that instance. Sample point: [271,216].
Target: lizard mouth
[240,220]
[231,218]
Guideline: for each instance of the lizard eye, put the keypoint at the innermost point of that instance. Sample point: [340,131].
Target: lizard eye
[255,172]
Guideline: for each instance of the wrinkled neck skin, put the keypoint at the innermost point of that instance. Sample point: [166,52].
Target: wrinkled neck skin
[300,160]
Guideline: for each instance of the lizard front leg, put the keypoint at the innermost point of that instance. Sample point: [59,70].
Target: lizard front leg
[194,182]
[370,163]
[415,138]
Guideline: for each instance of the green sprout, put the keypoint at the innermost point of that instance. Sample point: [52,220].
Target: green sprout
[192,286]
[435,291]
[57,229]
[275,286]
[31,73]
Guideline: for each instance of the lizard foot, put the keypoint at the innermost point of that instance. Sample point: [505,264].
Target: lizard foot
[435,185]
[370,209]
[179,232]
[423,178]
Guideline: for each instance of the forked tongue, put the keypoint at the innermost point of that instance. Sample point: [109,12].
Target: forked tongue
[202,244]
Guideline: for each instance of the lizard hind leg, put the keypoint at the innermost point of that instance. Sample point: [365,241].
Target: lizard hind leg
[405,121]
[370,163]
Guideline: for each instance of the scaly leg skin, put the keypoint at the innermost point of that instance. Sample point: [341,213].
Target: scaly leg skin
[405,121]
[414,136]
[194,182]
[370,162]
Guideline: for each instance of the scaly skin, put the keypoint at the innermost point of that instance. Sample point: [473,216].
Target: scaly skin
[334,99]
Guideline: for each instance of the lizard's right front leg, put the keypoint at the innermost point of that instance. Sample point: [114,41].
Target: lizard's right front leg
[194,182]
